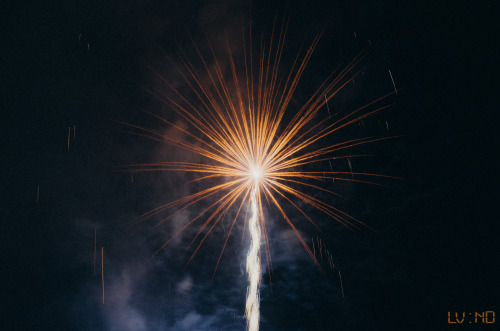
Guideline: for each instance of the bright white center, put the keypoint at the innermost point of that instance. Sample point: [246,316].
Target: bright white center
[256,172]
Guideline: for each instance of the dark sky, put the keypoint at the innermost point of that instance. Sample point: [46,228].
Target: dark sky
[83,64]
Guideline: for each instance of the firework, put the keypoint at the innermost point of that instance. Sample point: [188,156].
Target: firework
[237,124]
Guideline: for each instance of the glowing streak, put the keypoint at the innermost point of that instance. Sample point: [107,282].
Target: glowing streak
[395,90]
[253,267]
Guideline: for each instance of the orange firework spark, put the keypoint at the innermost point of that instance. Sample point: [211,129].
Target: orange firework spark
[237,124]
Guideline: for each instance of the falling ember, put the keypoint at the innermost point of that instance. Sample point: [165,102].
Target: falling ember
[238,126]
[350,166]
[393,84]
[327,107]
[341,286]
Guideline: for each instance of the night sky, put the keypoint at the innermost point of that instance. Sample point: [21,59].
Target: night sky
[82,66]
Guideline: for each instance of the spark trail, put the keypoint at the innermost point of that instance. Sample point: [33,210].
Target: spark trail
[237,124]
[253,266]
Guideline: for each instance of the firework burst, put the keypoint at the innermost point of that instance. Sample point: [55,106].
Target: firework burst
[237,124]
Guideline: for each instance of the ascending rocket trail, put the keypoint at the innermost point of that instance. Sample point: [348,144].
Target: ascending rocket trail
[253,265]
[235,120]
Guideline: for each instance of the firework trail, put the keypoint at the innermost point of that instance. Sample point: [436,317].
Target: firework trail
[238,126]
[253,266]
